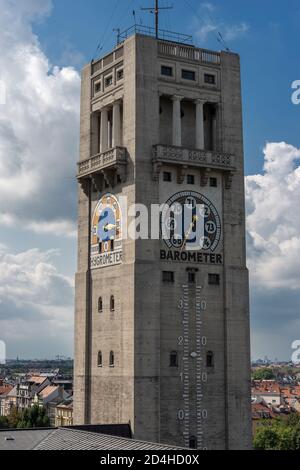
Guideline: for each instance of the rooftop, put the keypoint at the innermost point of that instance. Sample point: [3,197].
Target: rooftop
[48,390]
[37,379]
[71,439]
[162,34]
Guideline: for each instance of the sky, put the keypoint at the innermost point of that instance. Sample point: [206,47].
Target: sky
[44,44]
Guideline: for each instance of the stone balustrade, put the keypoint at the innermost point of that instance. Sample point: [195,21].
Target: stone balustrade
[111,159]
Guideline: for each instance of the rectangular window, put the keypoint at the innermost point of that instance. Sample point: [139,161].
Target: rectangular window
[209,78]
[190,179]
[97,87]
[188,74]
[167,176]
[213,182]
[168,276]
[214,279]
[167,71]
[108,81]
[120,74]
[192,278]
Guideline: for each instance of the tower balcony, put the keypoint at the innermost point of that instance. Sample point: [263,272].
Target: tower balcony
[104,168]
[185,158]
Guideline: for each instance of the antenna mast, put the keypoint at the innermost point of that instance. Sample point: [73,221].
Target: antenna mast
[156,11]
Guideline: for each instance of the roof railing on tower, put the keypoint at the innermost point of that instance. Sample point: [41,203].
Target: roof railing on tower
[162,34]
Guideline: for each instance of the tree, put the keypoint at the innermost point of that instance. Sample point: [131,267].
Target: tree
[4,422]
[263,374]
[280,435]
[34,417]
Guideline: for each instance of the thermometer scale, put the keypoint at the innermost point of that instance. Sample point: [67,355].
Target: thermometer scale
[193,375]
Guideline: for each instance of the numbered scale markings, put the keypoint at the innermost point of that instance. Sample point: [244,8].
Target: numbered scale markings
[192,363]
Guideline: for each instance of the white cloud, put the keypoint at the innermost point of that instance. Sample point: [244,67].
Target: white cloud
[273,220]
[38,126]
[36,304]
[209,25]
[229,32]
[273,229]
[234,31]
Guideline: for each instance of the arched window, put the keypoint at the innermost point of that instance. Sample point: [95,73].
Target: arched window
[111,359]
[174,359]
[99,360]
[210,359]
[100,305]
[112,303]
[193,442]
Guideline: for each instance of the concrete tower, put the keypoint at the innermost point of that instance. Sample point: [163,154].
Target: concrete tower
[162,330]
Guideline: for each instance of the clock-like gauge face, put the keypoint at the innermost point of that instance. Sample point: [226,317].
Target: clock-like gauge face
[180,225]
[106,232]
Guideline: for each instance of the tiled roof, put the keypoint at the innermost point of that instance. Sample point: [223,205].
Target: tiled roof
[13,392]
[48,390]
[71,439]
[265,387]
[37,379]
[260,410]
[4,389]
[291,391]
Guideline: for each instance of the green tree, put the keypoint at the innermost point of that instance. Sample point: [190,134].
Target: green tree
[263,374]
[14,417]
[4,422]
[282,434]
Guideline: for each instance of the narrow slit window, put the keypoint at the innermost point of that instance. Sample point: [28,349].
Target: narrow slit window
[174,359]
[210,359]
[193,442]
[112,304]
[100,305]
[99,360]
[111,359]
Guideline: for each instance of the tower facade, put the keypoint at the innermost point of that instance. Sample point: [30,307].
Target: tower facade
[162,328]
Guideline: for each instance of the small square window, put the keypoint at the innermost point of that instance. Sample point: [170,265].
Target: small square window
[167,71]
[120,74]
[192,278]
[190,179]
[214,279]
[108,81]
[97,87]
[209,78]
[167,176]
[168,276]
[213,182]
[188,74]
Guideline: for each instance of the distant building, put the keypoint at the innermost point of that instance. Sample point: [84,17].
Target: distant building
[261,415]
[22,395]
[4,391]
[64,414]
[291,397]
[268,391]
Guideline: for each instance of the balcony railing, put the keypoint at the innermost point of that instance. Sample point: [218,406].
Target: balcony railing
[148,31]
[198,158]
[187,52]
[111,159]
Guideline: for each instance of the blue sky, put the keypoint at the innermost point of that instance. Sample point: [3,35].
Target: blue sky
[44,44]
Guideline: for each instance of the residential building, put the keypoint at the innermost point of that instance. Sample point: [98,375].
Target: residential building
[64,413]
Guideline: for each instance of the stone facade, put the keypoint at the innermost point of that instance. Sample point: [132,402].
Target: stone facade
[162,334]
